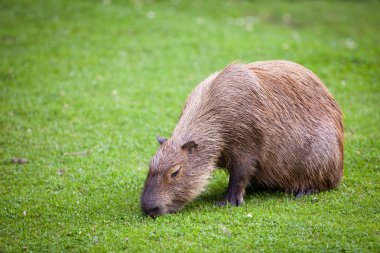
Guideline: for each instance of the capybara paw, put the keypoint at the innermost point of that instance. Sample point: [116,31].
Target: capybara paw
[233,199]
[304,193]
[222,202]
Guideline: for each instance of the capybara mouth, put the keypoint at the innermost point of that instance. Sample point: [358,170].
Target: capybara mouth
[159,211]
[155,213]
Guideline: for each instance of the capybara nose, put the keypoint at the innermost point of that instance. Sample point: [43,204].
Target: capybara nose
[152,212]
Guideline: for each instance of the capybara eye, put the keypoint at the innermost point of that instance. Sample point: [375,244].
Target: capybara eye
[176,172]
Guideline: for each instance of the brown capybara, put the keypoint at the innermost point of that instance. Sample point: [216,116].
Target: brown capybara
[271,124]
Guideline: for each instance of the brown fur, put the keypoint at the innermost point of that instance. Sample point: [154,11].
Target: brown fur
[272,124]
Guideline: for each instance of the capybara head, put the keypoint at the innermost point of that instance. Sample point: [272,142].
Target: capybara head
[173,179]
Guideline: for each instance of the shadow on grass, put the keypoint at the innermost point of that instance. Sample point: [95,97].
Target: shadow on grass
[218,187]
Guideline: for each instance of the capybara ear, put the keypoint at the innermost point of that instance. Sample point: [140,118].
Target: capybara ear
[160,140]
[189,146]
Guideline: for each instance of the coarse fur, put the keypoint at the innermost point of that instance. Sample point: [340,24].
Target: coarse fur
[271,124]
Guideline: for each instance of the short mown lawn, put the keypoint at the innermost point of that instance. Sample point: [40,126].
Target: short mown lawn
[86,85]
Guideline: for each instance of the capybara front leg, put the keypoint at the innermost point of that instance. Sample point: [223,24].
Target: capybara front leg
[235,190]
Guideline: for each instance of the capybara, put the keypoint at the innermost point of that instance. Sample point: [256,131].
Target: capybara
[271,124]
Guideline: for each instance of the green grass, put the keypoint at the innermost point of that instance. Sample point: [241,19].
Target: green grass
[105,78]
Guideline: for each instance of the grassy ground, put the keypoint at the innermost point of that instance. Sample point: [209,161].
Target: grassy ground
[106,77]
